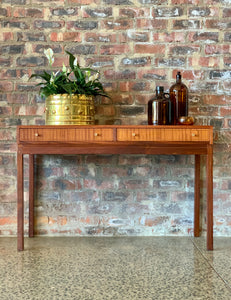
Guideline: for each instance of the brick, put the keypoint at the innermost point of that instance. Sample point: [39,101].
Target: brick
[134,12]
[100,62]
[169,37]
[5,12]
[227,37]
[8,220]
[24,110]
[154,221]
[222,74]
[136,62]
[218,24]
[106,110]
[129,86]
[82,25]
[122,99]
[184,50]
[39,48]
[12,49]
[185,2]
[150,49]
[117,196]
[47,2]
[151,24]
[6,86]
[209,62]
[134,36]
[70,11]
[18,98]
[202,86]
[204,110]
[131,110]
[171,62]
[15,24]
[93,37]
[39,24]
[156,74]
[97,12]
[226,13]
[65,36]
[202,12]
[186,24]
[32,61]
[5,110]
[114,49]
[207,37]
[23,12]
[217,49]
[165,12]
[101,184]
[31,37]
[125,74]
[118,2]
[83,2]
[118,24]
[82,49]
[217,100]
[6,36]
[225,111]
[227,61]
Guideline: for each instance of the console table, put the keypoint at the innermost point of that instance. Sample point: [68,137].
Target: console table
[113,139]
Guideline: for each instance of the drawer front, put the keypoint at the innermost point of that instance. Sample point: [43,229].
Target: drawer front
[163,135]
[66,135]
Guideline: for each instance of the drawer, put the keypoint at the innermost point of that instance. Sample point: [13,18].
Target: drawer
[66,134]
[163,134]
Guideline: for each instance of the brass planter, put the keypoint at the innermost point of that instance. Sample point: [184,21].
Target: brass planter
[68,109]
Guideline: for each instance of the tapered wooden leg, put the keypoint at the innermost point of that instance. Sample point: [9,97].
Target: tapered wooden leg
[197,197]
[31,195]
[209,165]
[20,202]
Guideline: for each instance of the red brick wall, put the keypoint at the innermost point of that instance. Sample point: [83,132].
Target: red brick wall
[136,45]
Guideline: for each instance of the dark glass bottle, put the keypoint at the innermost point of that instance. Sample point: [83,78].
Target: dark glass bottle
[159,108]
[179,100]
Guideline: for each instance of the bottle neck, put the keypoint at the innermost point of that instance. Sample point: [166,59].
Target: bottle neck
[159,93]
[178,80]
[178,77]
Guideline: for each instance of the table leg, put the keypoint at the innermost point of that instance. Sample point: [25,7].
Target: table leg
[31,195]
[209,166]
[197,197]
[20,202]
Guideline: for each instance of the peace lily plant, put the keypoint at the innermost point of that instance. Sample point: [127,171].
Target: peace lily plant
[76,80]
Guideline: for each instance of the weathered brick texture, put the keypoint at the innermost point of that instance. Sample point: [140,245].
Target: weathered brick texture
[136,45]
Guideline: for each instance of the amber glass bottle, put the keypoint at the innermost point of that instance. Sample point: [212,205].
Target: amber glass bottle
[179,100]
[159,108]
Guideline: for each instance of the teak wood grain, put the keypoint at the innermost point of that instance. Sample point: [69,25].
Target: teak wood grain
[113,139]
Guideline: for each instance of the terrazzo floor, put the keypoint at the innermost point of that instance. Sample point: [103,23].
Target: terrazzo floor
[118,268]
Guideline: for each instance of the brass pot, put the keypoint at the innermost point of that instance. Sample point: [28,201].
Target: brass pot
[67,109]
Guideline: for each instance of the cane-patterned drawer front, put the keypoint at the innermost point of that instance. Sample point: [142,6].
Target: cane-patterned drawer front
[163,135]
[66,135]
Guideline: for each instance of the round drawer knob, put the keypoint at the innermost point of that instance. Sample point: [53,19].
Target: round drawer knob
[36,134]
[66,107]
[53,112]
[134,134]
[97,134]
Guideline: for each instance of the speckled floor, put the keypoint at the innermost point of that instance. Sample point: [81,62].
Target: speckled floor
[115,268]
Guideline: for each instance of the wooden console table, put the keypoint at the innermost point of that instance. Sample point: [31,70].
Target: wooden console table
[107,139]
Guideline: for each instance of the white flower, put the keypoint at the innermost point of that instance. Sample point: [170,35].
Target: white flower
[50,55]
[94,77]
[75,63]
[64,68]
